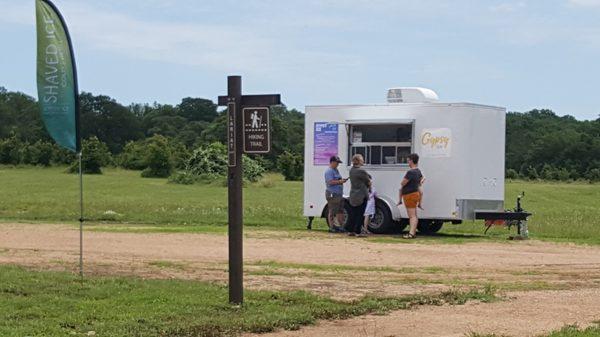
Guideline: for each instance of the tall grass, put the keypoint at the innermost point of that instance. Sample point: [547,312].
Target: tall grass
[562,211]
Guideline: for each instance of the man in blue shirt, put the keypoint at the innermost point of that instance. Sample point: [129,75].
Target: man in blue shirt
[334,193]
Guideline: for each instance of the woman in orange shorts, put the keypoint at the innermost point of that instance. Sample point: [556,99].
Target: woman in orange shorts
[410,193]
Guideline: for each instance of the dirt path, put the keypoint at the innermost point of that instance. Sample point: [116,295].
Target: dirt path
[348,268]
[313,248]
[526,314]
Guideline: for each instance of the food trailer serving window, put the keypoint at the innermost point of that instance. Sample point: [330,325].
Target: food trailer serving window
[382,144]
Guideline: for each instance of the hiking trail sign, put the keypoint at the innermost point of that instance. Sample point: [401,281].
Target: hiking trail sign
[248,129]
[257,130]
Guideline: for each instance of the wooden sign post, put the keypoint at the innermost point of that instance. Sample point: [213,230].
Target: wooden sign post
[253,135]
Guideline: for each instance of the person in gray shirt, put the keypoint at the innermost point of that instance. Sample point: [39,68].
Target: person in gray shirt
[359,194]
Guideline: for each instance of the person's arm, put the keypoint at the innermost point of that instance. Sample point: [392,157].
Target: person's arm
[337,181]
[364,176]
[332,181]
[403,183]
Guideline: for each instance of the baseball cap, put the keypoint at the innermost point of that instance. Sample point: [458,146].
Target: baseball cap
[335,158]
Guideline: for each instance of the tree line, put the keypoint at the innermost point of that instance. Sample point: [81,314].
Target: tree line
[539,144]
[139,136]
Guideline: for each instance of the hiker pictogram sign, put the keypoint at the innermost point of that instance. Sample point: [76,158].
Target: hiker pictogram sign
[257,130]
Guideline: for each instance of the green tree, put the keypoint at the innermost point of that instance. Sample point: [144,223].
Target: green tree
[20,116]
[133,156]
[10,150]
[109,121]
[557,147]
[95,156]
[291,166]
[197,109]
[43,151]
[158,158]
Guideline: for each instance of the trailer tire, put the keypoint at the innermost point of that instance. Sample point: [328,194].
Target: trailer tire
[346,212]
[429,226]
[382,222]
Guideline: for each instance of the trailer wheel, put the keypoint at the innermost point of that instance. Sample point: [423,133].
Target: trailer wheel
[382,222]
[429,226]
[346,212]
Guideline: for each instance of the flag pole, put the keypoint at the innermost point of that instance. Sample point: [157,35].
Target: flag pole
[49,21]
[80,155]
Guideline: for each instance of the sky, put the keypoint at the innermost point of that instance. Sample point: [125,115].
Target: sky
[517,54]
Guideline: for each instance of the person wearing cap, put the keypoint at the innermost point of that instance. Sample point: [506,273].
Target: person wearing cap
[334,193]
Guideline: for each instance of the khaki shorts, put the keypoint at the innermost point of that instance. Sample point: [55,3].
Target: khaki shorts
[335,203]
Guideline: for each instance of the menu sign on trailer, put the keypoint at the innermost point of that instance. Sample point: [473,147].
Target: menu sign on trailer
[325,142]
[257,135]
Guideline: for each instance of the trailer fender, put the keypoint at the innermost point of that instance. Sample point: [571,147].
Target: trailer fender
[391,204]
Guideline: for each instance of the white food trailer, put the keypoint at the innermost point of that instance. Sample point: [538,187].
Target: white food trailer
[461,149]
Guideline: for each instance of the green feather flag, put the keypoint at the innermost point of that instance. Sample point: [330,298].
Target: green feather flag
[57,77]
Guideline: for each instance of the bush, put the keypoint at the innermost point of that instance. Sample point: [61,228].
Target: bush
[158,158]
[208,160]
[179,154]
[38,153]
[253,171]
[62,156]
[208,163]
[593,175]
[10,151]
[512,174]
[531,173]
[550,172]
[291,166]
[562,174]
[183,178]
[133,156]
[267,181]
[95,156]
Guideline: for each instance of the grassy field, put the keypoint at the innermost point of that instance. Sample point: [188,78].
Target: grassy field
[53,304]
[562,211]
[122,196]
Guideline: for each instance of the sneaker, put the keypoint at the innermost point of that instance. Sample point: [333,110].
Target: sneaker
[340,229]
[351,234]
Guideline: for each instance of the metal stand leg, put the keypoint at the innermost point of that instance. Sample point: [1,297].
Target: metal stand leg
[523,230]
[309,222]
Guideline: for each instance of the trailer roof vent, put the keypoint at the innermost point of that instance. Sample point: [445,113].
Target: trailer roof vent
[411,95]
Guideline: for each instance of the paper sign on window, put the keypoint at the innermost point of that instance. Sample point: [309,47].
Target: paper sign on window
[436,143]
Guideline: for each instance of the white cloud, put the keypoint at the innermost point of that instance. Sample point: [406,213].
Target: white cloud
[221,46]
[508,7]
[584,3]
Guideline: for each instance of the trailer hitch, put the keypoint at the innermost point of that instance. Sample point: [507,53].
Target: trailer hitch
[509,218]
